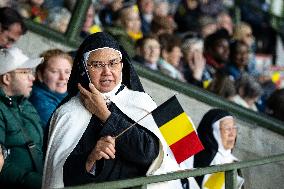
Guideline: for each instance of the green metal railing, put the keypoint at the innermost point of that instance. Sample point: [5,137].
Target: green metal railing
[71,38]
[229,169]
[213,100]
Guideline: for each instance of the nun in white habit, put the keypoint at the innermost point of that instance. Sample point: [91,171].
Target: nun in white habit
[217,132]
[83,146]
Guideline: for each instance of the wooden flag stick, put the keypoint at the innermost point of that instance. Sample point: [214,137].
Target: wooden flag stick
[131,125]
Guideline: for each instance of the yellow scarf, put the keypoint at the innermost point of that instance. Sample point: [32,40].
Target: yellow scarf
[135,36]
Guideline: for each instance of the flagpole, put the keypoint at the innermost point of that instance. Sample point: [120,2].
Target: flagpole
[131,126]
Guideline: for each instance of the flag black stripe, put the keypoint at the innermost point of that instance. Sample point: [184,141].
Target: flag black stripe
[167,111]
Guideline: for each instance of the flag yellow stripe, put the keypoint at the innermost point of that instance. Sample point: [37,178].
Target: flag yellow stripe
[176,129]
[215,181]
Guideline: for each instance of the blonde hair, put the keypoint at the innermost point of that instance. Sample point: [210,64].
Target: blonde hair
[240,30]
[52,53]
[124,14]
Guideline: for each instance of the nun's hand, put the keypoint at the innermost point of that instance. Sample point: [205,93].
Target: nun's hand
[94,102]
[105,148]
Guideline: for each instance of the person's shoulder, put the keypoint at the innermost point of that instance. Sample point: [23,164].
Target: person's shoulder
[27,105]
[73,106]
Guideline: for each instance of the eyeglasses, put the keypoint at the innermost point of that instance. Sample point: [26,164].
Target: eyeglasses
[26,72]
[100,65]
[30,74]
[229,129]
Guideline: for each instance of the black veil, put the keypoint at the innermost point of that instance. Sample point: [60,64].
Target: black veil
[79,75]
[205,134]
[92,42]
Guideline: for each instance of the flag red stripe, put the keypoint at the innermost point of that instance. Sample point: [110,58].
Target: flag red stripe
[186,147]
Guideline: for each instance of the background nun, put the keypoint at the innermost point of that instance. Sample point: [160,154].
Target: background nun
[217,132]
[82,143]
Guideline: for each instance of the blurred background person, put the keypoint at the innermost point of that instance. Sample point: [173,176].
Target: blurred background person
[146,12]
[216,51]
[186,16]
[161,8]
[248,92]
[224,20]
[50,86]
[127,28]
[20,123]
[243,32]
[170,56]
[89,26]
[239,59]
[5,3]
[11,27]
[163,24]
[275,104]
[148,52]
[218,133]
[109,11]
[223,85]
[207,26]
[257,14]
[58,19]
[193,61]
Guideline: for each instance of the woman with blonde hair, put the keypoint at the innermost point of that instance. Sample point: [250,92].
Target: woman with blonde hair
[50,86]
[243,32]
[127,29]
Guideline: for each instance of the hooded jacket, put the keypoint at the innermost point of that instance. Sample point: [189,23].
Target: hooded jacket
[18,170]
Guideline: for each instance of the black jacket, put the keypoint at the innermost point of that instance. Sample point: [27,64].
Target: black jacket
[135,151]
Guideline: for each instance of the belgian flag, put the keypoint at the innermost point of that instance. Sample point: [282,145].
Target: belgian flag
[177,129]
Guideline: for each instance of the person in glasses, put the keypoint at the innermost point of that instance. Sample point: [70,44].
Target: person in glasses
[50,87]
[96,135]
[217,131]
[20,125]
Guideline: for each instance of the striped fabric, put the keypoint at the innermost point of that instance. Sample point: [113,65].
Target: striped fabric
[177,129]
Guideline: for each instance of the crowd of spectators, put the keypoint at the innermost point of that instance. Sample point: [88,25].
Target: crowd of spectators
[193,41]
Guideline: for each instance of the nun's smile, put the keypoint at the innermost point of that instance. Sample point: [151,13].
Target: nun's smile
[105,68]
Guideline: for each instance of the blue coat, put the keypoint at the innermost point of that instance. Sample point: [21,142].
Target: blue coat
[45,101]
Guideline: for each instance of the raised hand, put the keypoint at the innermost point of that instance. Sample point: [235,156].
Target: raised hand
[105,148]
[94,102]
[197,65]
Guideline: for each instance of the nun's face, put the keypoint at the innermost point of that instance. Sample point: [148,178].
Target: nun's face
[228,132]
[105,68]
